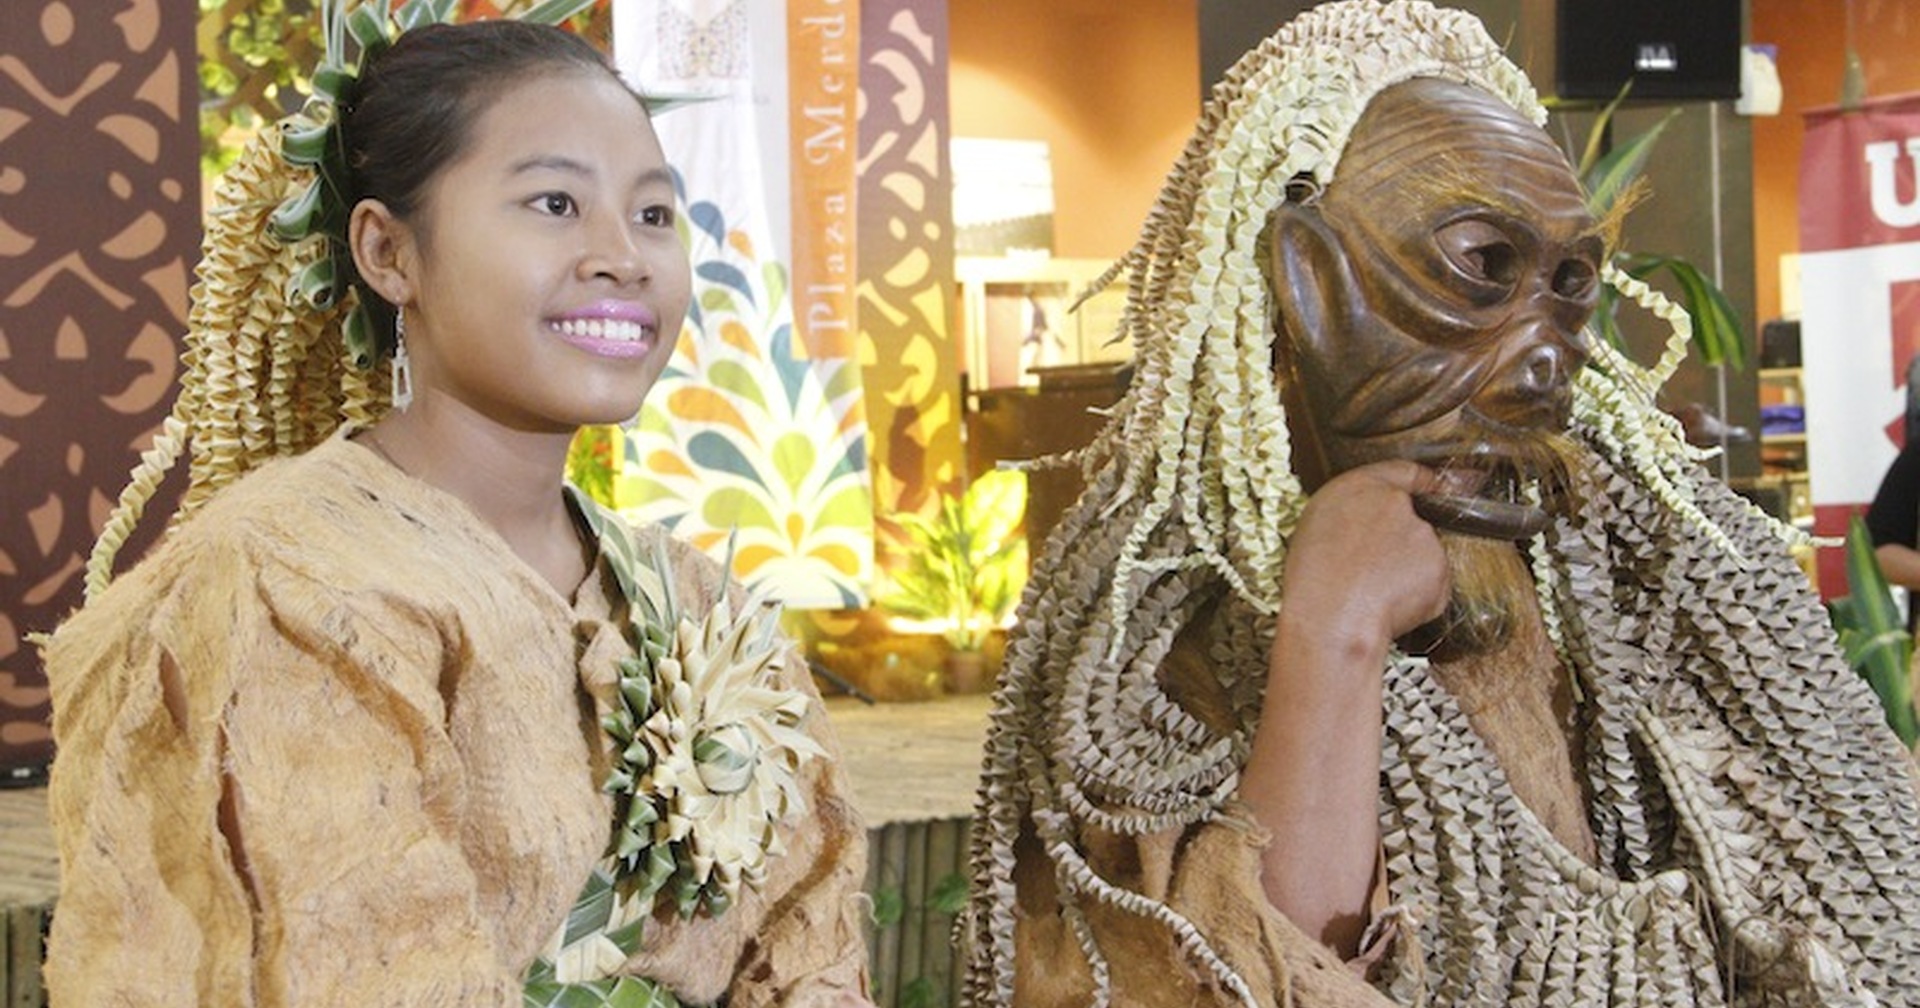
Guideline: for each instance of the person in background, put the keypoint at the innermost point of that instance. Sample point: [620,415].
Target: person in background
[1893,521]
[392,717]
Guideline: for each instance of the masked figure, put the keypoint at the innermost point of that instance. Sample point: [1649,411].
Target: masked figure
[1401,652]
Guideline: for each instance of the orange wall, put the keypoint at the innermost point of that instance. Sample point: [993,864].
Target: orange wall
[1812,36]
[1112,87]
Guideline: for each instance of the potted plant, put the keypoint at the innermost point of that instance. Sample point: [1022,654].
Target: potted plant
[964,569]
[1610,173]
[1873,634]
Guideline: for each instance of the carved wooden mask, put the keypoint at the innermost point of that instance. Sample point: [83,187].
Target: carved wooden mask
[1431,300]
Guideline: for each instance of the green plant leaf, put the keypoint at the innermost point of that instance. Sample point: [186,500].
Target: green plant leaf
[1607,177]
[1597,134]
[949,894]
[967,563]
[888,907]
[1873,635]
[919,993]
[1716,330]
[1614,172]
[996,504]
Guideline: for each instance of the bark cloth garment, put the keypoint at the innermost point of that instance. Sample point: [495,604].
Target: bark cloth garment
[333,745]
[1757,823]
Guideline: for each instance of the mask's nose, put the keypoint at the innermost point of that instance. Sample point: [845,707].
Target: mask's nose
[1534,387]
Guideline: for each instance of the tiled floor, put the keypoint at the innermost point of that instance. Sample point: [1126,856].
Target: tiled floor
[28,866]
[912,762]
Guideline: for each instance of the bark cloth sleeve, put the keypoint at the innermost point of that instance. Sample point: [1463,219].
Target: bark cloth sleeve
[241,792]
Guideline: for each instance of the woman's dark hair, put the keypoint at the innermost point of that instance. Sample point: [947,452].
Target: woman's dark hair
[413,108]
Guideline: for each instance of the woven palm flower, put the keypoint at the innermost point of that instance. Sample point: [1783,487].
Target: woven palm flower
[706,753]
[725,747]
[707,741]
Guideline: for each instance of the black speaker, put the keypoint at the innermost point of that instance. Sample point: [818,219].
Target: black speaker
[1669,49]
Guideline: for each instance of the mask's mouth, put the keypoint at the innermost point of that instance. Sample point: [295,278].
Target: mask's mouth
[1481,517]
[1481,493]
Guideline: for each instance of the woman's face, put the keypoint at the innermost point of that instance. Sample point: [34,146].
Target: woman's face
[549,281]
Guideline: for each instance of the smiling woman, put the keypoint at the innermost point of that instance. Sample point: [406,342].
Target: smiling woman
[392,716]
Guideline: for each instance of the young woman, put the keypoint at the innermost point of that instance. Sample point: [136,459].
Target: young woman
[397,720]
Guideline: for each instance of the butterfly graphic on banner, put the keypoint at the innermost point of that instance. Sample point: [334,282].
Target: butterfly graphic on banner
[698,42]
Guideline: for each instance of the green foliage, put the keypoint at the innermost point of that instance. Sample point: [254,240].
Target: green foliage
[947,898]
[252,60]
[920,993]
[590,462]
[966,564]
[1873,636]
[1613,175]
[888,907]
[949,894]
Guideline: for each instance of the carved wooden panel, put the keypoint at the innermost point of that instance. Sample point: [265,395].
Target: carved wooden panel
[906,254]
[99,229]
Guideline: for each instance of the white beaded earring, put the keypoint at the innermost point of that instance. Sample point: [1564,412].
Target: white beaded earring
[402,396]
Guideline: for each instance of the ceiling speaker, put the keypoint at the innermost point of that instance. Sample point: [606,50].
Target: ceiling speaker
[1669,49]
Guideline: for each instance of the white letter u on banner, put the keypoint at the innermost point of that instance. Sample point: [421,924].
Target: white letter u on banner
[1881,161]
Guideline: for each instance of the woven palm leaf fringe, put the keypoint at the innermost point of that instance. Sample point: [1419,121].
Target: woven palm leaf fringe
[1758,822]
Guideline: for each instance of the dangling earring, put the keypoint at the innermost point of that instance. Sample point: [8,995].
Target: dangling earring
[402,368]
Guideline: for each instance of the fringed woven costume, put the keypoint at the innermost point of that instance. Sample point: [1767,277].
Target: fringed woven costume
[1758,825]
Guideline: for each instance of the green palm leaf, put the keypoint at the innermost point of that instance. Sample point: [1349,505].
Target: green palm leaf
[1873,636]
[1609,177]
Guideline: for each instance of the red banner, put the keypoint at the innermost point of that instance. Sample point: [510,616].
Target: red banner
[1860,236]
[1857,176]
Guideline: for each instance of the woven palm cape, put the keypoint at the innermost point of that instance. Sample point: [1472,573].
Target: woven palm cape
[1758,825]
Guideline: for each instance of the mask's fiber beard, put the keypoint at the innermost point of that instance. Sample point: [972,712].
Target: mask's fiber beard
[1491,588]
[1491,585]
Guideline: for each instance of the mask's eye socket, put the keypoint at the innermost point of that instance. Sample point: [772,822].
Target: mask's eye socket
[1480,252]
[1575,279]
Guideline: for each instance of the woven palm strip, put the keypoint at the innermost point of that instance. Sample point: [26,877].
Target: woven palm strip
[1190,504]
[264,375]
[1759,824]
[1738,767]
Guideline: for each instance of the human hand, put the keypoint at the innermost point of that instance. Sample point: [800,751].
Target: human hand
[1362,570]
[1363,564]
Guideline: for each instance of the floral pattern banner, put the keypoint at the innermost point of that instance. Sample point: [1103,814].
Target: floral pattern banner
[753,440]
